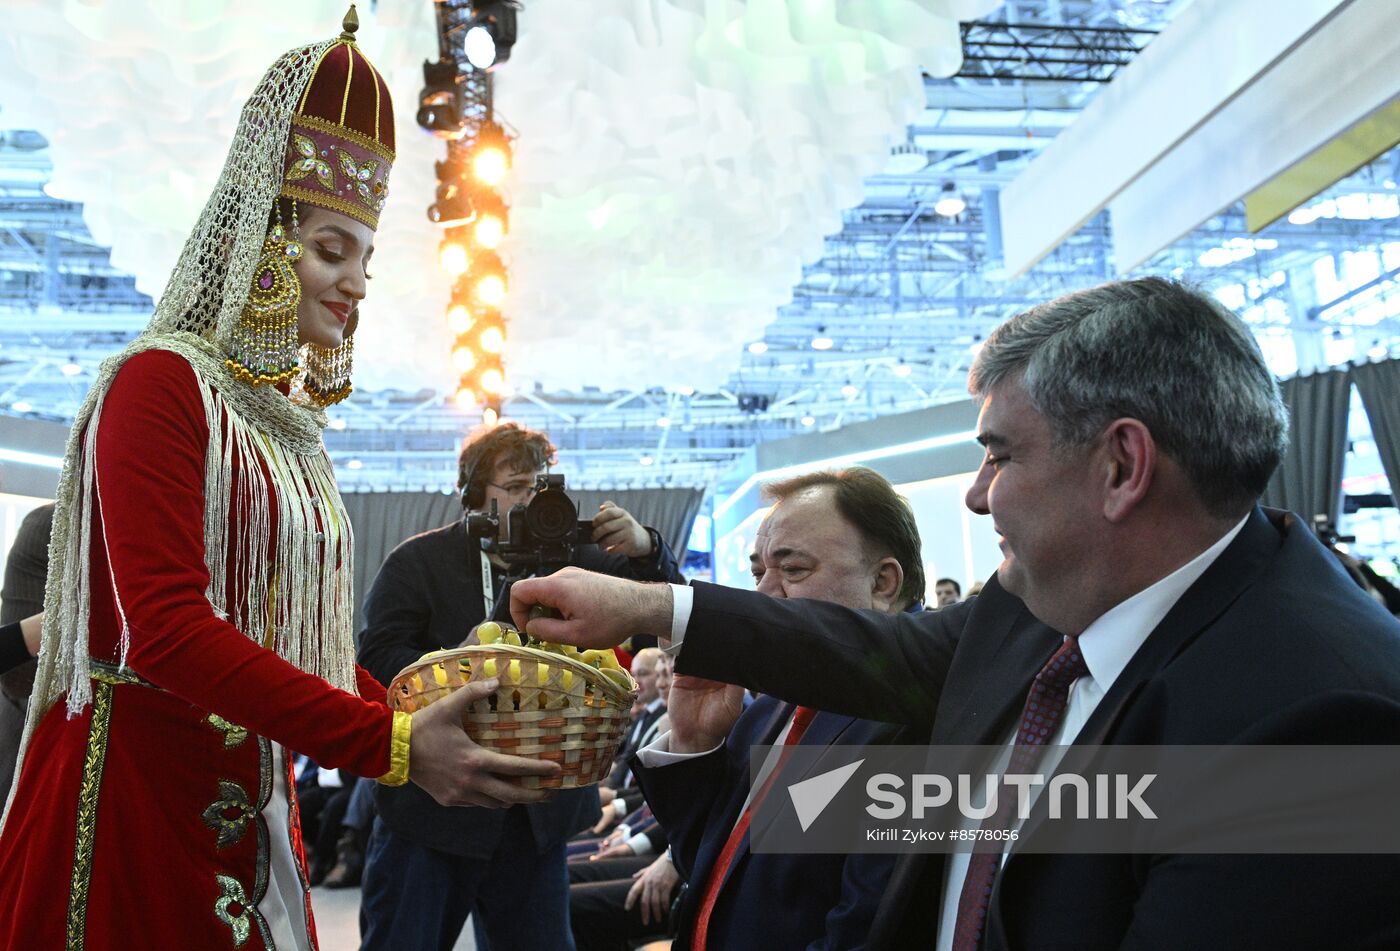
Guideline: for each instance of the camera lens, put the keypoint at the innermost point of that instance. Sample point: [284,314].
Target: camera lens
[551,517]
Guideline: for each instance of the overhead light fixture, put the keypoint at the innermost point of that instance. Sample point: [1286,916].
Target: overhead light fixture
[758,348]
[465,398]
[906,158]
[491,33]
[459,318]
[354,464]
[452,254]
[849,391]
[821,341]
[490,416]
[951,204]
[902,369]
[20,406]
[809,420]
[337,424]
[646,460]
[663,422]
[439,106]
[463,358]
[490,155]
[71,368]
[686,390]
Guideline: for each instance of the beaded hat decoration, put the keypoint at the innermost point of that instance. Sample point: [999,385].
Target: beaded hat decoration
[342,139]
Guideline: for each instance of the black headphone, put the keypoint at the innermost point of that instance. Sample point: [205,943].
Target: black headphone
[473,500]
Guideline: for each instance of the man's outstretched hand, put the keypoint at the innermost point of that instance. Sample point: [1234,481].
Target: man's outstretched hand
[595,611]
[458,772]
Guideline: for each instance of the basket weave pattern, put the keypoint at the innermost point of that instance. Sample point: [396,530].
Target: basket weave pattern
[548,706]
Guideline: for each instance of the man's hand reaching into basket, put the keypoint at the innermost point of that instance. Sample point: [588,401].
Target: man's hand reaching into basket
[595,611]
[458,772]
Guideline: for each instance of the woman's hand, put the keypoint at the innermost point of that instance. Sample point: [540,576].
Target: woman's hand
[457,772]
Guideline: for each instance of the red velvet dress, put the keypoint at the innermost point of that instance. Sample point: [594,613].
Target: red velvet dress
[140,823]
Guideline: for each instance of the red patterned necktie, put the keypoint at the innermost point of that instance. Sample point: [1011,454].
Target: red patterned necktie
[801,717]
[1045,705]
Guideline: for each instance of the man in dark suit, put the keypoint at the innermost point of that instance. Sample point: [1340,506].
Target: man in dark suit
[428,866]
[843,536]
[1130,430]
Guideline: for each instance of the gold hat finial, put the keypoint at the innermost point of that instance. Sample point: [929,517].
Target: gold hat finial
[350,24]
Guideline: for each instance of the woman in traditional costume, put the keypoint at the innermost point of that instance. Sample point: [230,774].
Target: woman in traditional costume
[198,609]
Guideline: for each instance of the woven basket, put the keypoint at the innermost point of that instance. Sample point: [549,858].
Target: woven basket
[577,721]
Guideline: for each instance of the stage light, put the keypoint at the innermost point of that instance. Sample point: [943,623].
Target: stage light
[459,318]
[491,33]
[452,206]
[849,391]
[492,339]
[490,416]
[338,424]
[492,380]
[902,369]
[758,348]
[663,422]
[491,290]
[488,230]
[465,398]
[821,341]
[463,358]
[809,420]
[20,406]
[439,108]
[71,369]
[452,254]
[490,155]
[951,204]
[686,390]
[646,460]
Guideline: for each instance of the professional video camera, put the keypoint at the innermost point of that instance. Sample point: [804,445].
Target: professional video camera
[541,536]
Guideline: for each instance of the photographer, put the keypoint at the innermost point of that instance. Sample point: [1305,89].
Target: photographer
[429,866]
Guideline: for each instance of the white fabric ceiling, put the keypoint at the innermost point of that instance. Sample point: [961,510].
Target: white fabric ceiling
[678,161]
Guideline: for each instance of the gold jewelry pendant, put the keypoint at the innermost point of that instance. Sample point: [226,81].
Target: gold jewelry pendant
[264,344]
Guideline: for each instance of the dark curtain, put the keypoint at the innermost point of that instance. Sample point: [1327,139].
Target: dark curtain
[1309,480]
[382,520]
[1379,386]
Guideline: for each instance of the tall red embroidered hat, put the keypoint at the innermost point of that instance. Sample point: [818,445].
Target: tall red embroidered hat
[342,139]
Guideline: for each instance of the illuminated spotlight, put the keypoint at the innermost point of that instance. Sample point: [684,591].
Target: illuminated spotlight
[758,348]
[902,369]
[492,339]
[686,390]
[485,283]
[490,416]
[488,230]
[21,407]
[459,319]
[354,464]
[849,391]
[452,254]
[492,380]
[463,358]
[491,34]
[465,397]
[809,420]
[951,204]
[490,155]
[646,460]
[452,207]
[337,424]
[71,369]
[821,341]
[663,422]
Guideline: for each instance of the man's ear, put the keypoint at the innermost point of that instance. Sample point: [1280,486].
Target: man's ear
[1131,456]
[889,578]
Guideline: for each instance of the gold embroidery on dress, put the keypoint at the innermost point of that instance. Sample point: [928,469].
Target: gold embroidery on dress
[233,733]
[86,829]
[232,799]
[231,907]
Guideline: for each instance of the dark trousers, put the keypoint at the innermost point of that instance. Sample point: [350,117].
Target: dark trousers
[596,905]
[419,898]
